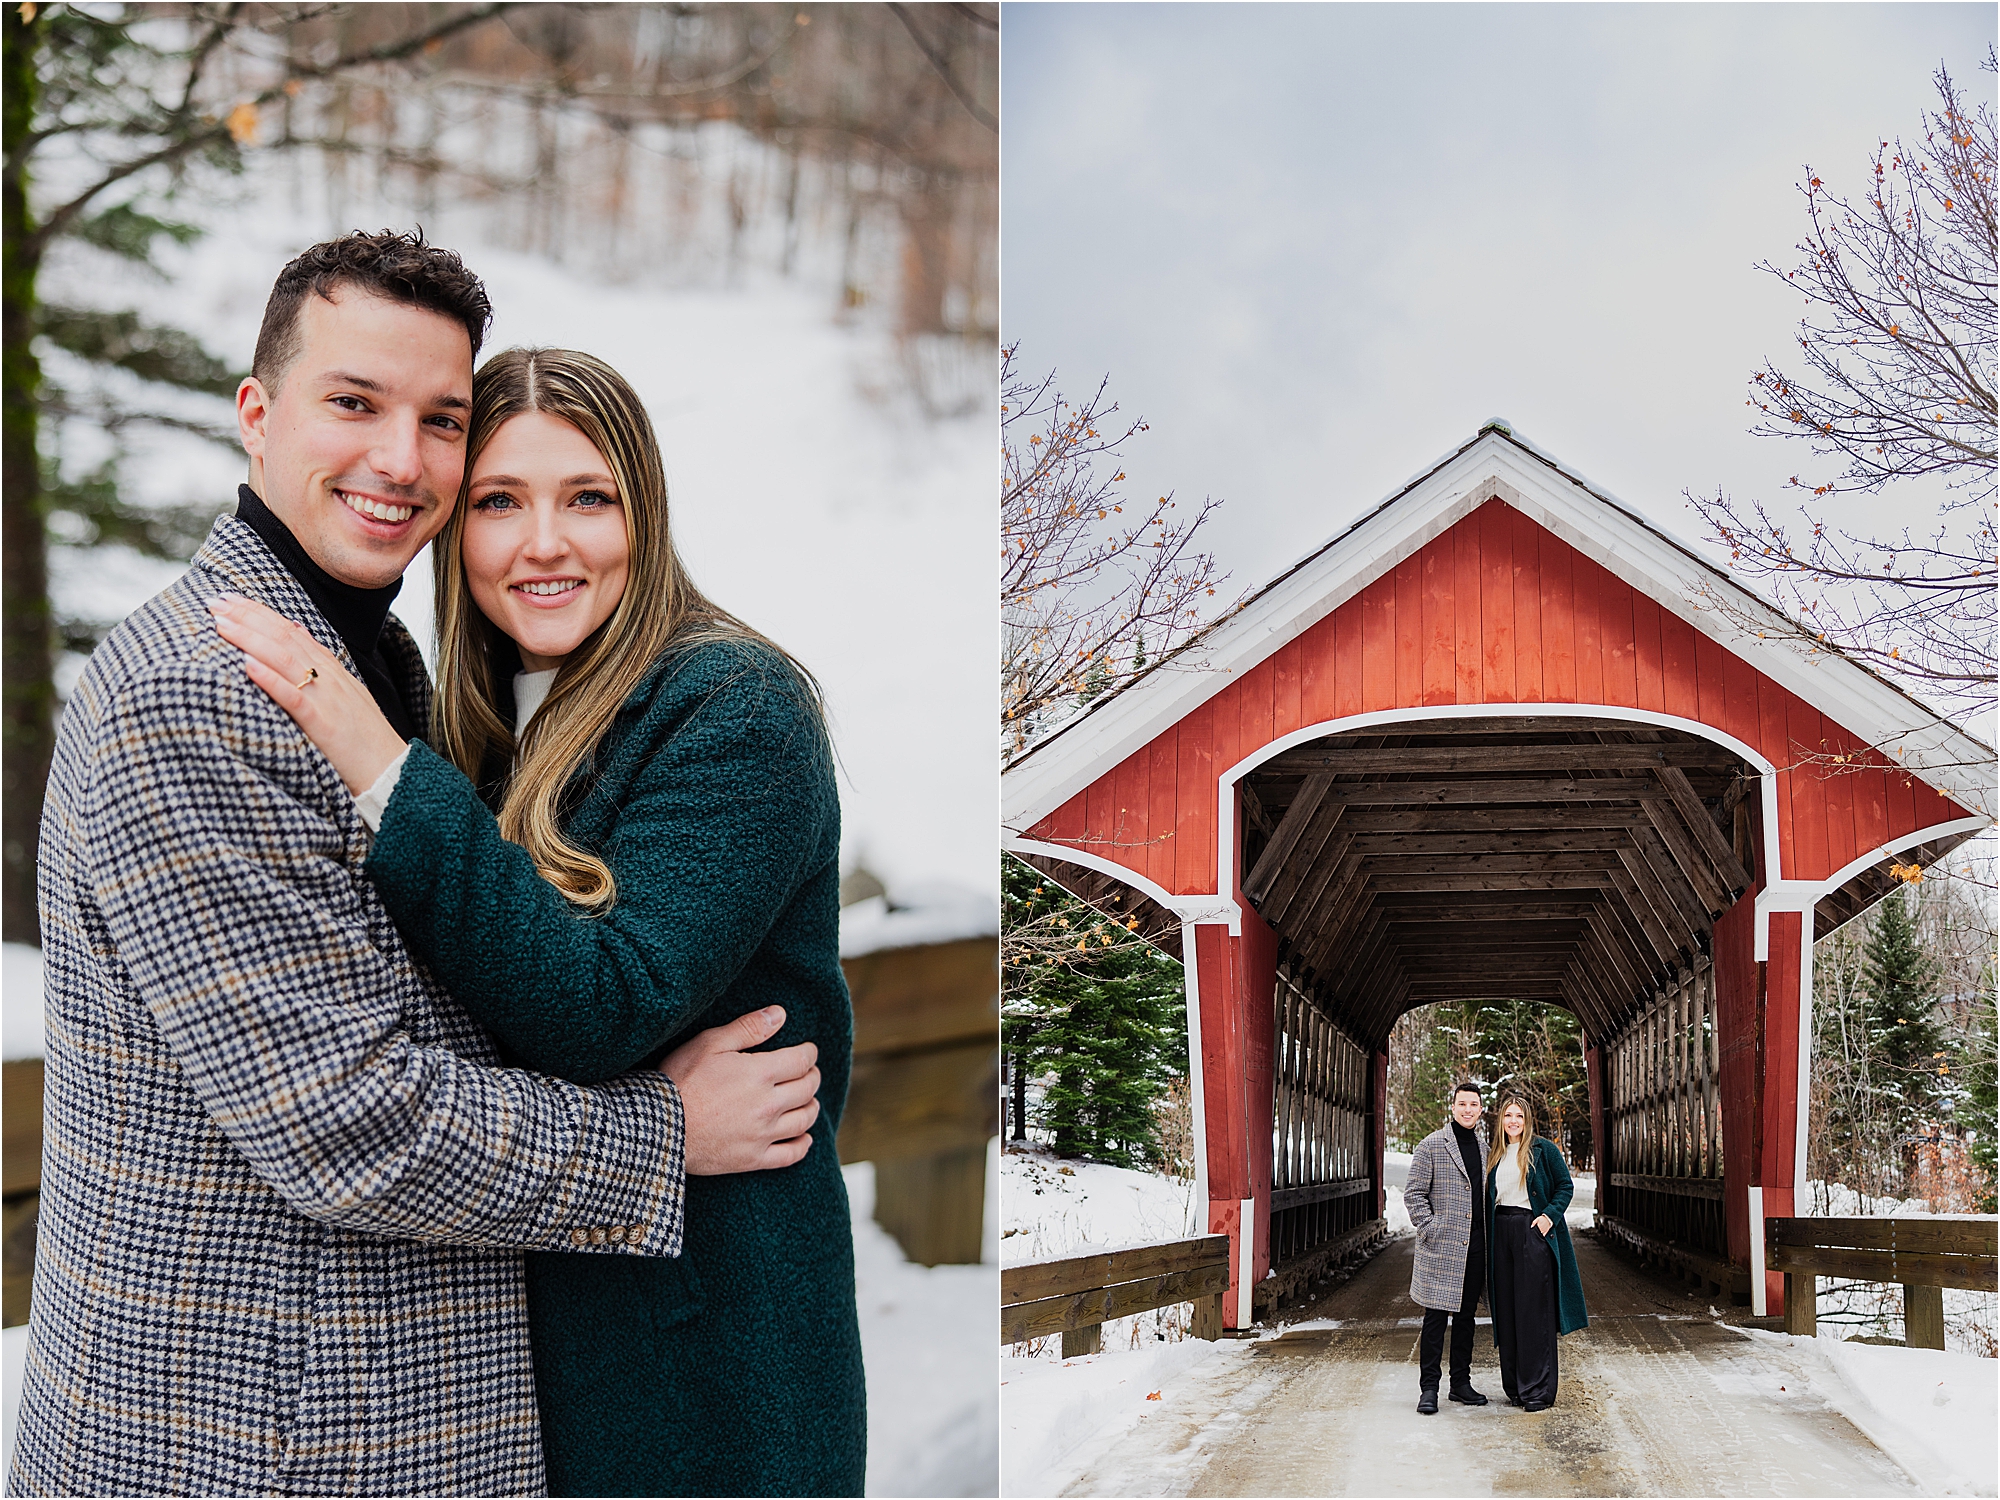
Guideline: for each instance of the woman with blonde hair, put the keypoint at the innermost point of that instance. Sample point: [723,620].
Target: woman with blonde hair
[1531,1281]
[622,827]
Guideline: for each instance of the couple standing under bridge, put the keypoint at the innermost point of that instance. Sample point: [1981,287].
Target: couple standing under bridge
[1512,1243]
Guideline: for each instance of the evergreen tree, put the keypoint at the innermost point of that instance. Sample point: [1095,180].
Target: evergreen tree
[1095,1013]
[1906,1039]
[1977,1072]
[111,112]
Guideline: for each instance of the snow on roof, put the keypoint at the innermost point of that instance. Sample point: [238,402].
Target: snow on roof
[919,917]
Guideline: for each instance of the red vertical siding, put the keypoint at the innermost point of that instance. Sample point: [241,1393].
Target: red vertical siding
[1771,702]
[1734,942]
[1285,691]
[1347,659]
[1651,686]
[1163,788]
[1808,797]
[1614,634]
[1378,645]
[1679,692]
[1584,576]
[1526,583]
[1439,622]
[1558,619]
[1194,812]
[1496,603]
[1132,795]
[1409,615]
[1317,654]
[1465,603]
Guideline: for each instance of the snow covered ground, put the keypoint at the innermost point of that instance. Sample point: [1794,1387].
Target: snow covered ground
[927,1341]
[1057,1416]
[1936,1413]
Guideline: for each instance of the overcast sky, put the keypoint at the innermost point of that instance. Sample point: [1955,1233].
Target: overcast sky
[1318,245]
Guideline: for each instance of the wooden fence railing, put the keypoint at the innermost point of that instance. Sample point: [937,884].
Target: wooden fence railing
[1924,1255]
[1076,1297]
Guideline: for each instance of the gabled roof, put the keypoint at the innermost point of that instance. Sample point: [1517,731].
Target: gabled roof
[1497,462]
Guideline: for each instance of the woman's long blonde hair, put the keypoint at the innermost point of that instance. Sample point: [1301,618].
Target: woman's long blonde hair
[1499,1147]
[660,609]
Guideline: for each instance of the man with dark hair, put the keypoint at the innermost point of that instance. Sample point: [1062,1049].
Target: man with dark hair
[286,1185]
[1445,1195]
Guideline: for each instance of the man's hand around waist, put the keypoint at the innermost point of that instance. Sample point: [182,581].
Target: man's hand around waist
[745,1111]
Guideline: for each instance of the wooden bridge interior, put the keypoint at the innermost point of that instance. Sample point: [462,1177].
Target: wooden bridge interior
[1576,861]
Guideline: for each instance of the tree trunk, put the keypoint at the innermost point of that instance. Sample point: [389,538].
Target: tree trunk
[27,686]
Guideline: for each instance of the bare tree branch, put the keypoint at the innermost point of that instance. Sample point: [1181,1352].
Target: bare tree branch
[1898,384]
[1094,588]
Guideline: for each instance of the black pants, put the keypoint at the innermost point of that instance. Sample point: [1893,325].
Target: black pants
[1431,1346]
[1524,1306]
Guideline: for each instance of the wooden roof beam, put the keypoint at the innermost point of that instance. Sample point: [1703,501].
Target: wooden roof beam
[1430,760]
[1285,839]
[1547,789]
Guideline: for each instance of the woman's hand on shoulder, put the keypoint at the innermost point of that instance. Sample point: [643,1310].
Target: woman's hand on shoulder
[332,707]
[745,1111]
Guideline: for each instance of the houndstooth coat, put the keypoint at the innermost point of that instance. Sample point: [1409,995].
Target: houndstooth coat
[1439,1198]
[285,1187]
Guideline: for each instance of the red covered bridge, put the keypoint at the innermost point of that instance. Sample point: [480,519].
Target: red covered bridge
[1504,738]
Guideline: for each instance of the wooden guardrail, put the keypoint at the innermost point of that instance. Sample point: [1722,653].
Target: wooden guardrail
[1358,1244]
[1924,1255]
[1076,1297]
[1697,1263]
[925,1092]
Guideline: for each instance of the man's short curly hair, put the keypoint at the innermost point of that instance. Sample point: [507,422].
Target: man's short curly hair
[392,264]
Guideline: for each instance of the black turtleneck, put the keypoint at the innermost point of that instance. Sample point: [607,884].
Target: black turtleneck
[356,614]
[1475,1173]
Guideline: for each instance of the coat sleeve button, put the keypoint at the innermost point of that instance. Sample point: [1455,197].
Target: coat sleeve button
[597,1236]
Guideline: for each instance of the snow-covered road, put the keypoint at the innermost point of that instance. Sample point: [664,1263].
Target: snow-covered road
[1659,1397]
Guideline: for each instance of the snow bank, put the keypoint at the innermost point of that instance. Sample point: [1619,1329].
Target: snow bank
[1058,1415]
[1394,1214]
[20,1001]
[1937,1414]
[1582,1212]
[1052,1208]
[926,1340]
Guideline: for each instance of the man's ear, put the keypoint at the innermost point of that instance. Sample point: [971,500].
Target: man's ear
[253,410]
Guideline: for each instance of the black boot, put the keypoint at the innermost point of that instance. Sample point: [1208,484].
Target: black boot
[1427,1401]
[1461,1390]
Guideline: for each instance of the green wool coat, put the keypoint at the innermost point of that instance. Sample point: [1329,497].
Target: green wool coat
[734,1369]
[1549,1192]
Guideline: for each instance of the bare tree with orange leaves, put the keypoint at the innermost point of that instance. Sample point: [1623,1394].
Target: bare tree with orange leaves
[1896,383]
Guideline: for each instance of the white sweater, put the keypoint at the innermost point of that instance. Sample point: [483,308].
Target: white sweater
[1508,1189]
